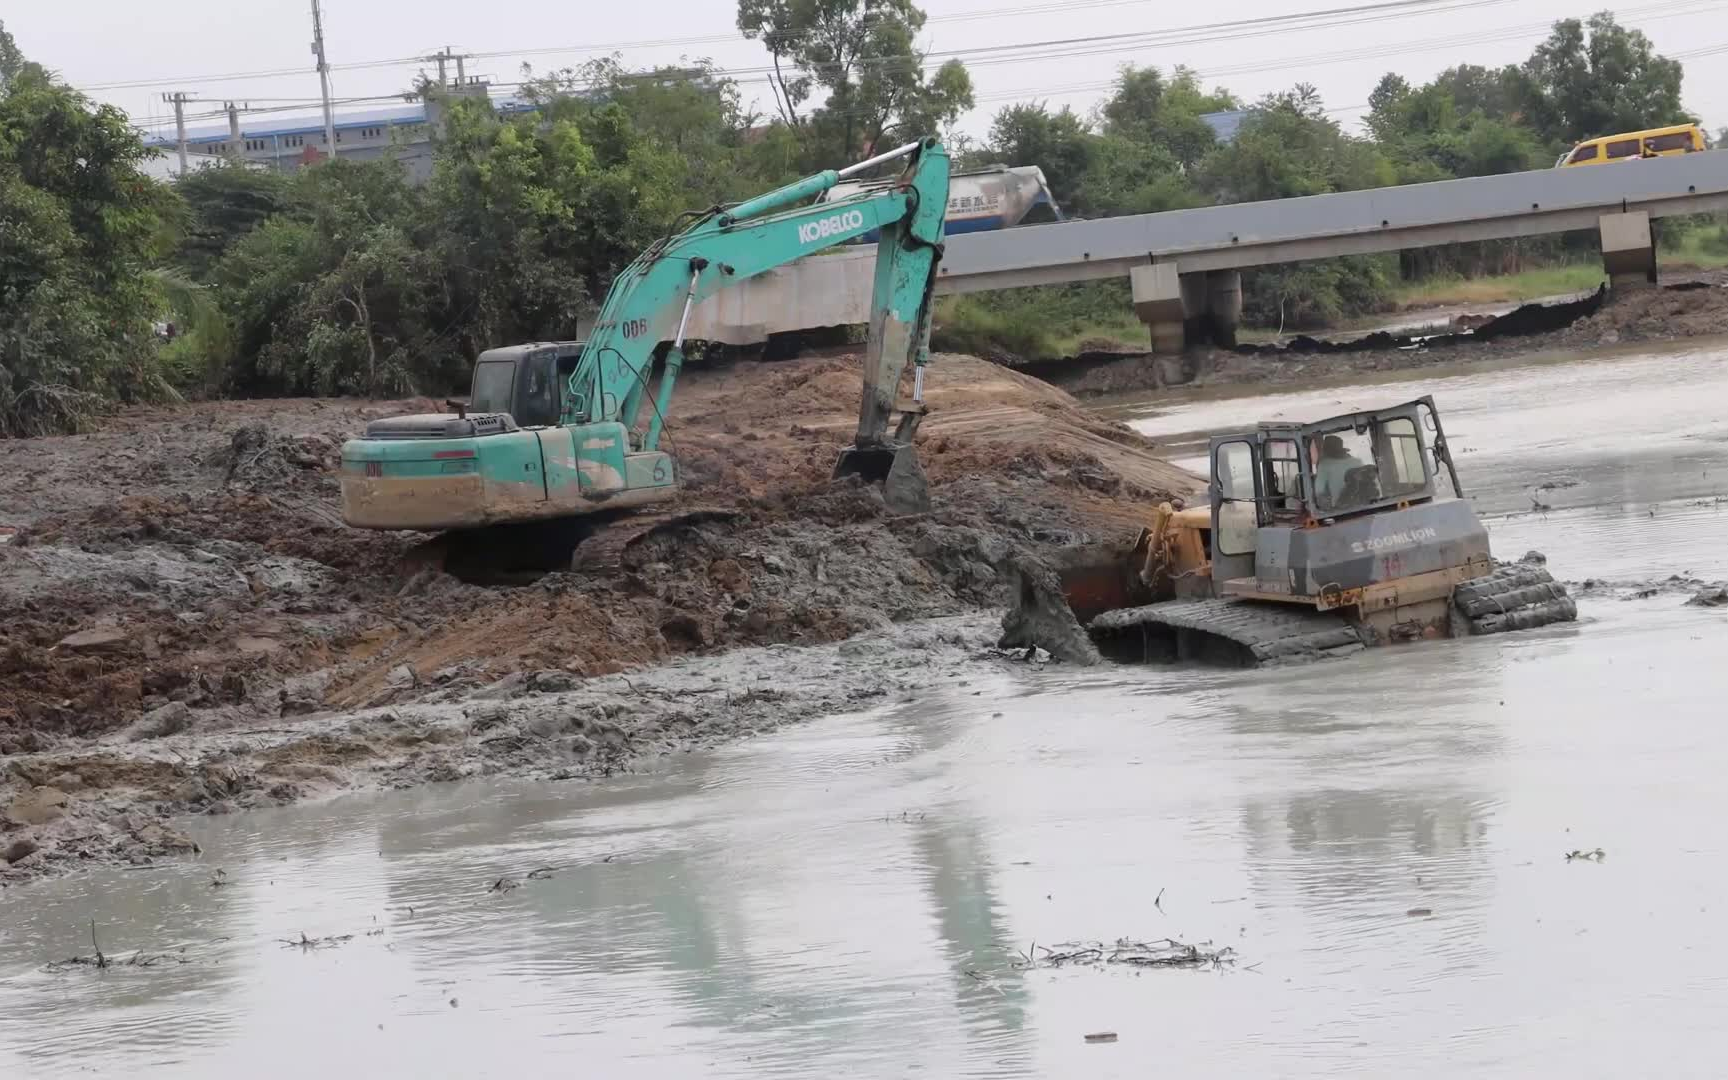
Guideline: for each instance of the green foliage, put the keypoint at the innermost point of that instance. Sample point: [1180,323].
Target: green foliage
[1149,109]
[78,226]
[223,203]
[344,278]
[1038,323]
[11,58]
[1314,295]
[1595,78]
[862,56]
[1059,143]
[343,294]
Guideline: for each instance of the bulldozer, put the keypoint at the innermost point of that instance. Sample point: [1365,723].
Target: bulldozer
[1318,540]
[550,449]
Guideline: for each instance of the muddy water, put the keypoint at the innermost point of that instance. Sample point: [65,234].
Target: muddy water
[848,896]
[1614,465]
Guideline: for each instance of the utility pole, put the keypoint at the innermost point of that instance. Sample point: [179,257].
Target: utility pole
[443,58]
[178,100]
[323,76]
[233,131]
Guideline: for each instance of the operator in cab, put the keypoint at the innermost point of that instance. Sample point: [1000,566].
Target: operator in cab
[1333,465]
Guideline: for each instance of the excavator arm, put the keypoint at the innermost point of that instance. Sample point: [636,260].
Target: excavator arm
[651,300]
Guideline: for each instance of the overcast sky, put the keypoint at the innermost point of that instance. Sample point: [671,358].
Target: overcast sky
[181,44]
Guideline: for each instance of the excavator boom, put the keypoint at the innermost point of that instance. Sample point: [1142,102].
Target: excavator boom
[556,430]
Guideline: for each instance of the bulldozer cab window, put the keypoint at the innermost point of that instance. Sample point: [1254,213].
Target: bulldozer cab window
[1237,516]
[1402,471]
[1283,479]
[1340,458]
[1357,469]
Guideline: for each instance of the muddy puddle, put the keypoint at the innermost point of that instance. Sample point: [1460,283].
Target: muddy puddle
[1382,843]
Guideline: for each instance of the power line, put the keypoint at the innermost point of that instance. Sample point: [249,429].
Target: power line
[1324,19]
[1185,36]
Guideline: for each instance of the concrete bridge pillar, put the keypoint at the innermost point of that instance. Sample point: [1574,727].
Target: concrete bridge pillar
[1158,301]
[1628,250]
[1224,306]
[1199,308]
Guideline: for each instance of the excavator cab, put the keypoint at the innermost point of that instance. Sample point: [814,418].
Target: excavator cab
[524,381]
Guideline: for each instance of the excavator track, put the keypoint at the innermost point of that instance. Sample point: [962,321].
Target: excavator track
[1245,633]
[521,553]
[629,542]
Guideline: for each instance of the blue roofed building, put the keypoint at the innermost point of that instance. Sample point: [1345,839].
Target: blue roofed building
[1225,125]
[286,143]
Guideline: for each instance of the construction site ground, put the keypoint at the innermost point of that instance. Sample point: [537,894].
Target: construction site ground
[186,626]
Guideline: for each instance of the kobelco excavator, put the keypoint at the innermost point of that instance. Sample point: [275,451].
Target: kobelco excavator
[1317,540]
[550,431]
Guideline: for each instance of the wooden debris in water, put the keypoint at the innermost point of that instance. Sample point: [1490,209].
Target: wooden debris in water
[101,961]
[1596,855]
[1101,1037]
[307,944]
[1162,953]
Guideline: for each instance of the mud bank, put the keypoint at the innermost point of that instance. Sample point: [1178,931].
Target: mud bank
[186,625]
[1696,307]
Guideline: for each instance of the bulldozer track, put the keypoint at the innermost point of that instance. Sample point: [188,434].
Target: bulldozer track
[1519,596]
[1269,635]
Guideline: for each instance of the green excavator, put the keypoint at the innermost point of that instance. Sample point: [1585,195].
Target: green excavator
[551,434]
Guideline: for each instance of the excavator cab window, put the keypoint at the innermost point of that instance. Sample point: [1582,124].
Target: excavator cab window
[537,390]
[494,387]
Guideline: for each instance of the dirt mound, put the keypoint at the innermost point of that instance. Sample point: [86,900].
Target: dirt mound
[1653,315]
[184,577]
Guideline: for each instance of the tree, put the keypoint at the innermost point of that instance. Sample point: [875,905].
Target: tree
[1056,142]
[1289,147]
[1596,78]
[12,62]
[79,226]
[1165,113]
[223,204]
[1427,136]
[862,52]
[1127,176]
[343,293]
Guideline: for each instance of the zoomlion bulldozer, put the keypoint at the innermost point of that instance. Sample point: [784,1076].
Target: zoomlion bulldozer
[1318,540]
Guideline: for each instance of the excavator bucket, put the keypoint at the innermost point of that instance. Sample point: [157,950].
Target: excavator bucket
[893,464]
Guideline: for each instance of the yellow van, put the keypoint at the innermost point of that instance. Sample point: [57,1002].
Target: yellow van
[1632,145]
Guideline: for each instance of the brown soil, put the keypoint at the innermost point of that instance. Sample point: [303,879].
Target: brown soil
[1654,315]
[185,623]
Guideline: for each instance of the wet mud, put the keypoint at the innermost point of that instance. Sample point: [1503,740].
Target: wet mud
[187,626]
[1693,306]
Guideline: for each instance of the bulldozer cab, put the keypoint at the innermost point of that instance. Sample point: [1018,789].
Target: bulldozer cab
[1283,476]
[525,381]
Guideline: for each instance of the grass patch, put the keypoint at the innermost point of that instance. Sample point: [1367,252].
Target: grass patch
[1529,285]
[1039,323]
[1703,249]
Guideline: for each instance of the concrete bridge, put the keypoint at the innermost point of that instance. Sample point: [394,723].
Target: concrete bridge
[1185,265]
